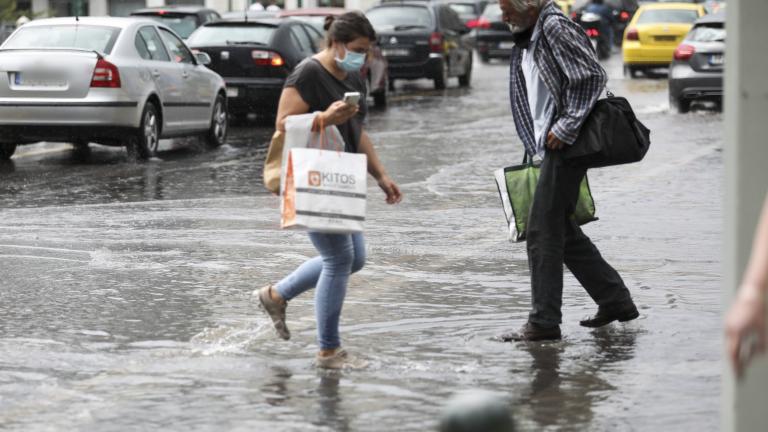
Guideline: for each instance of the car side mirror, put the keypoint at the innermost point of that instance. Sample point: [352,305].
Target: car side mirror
[203,58]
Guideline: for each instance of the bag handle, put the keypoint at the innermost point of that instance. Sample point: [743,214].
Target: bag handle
[324,136]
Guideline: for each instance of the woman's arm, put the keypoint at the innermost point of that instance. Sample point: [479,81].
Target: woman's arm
[746,317]
[376,169]
[291,103]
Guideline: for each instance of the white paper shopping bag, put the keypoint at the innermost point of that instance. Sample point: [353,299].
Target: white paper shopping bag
[324,191]
[299,134]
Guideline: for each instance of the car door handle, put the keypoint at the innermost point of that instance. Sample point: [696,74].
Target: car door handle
[155,73]
[185,74]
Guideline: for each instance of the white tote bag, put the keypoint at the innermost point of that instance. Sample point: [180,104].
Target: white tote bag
[325,191]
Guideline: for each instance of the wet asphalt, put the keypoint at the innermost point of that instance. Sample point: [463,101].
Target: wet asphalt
[125,287]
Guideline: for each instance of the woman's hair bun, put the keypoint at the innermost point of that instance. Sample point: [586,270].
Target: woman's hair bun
[328,21]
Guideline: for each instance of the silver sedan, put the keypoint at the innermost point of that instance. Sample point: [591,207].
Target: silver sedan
[113,81]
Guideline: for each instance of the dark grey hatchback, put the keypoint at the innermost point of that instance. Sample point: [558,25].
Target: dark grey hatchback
[696,73]
[423,40]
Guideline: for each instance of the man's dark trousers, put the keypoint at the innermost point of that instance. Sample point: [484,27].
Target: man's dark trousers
[553,238]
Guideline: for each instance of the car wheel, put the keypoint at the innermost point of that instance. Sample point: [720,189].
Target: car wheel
[143,144]
[7,150]
[81,150]
[465,79]
[683,105]
[485,59]
[391,84]
[441,79]
[217,134]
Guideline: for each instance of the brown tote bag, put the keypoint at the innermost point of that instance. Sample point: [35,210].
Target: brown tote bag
[273,163]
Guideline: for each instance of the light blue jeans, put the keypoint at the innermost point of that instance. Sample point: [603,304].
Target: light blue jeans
[340,256]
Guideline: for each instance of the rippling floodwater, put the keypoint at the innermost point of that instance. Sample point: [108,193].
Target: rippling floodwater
[124,289]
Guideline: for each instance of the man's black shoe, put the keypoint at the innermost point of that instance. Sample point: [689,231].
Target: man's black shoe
[531,332]
[606,315]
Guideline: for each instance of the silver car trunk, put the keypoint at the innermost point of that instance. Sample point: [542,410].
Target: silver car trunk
[46,74]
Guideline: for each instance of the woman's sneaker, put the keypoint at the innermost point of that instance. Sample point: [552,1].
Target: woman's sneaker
[275,310]
[341,359]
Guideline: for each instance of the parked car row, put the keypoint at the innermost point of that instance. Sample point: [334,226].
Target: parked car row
[134,81]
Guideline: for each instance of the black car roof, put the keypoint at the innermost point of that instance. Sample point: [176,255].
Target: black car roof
[174,9]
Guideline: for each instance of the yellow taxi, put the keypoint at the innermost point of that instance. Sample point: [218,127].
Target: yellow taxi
[655,31]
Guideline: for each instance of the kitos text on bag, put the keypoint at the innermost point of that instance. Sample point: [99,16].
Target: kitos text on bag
[331,179]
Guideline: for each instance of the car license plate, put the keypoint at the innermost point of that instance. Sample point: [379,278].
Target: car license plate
[665,38]
[233,92]
[506,45]
[38,80]
[396,52]
[716,60]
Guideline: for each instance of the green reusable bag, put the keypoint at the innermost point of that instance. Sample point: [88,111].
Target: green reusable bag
[517,185]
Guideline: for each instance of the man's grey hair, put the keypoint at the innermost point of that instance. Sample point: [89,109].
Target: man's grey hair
[524,5]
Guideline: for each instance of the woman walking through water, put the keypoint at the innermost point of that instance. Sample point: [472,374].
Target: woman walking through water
[318,85]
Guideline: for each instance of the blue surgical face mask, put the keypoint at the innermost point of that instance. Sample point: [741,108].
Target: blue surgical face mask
[352,61]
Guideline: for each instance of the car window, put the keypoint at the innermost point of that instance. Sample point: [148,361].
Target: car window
[707,33]
[463,8]
[175,46]
[301,39]
[231,35]
[316,37]
[89,37]
[183,25]
[400,18]
[149,44]
[668,16]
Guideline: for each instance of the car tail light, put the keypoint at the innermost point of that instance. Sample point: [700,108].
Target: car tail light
[574,16]
[267,58]
[436,42]
[105,74]
[481,22]
[633,35]
[624,16]
[684,52]
[593,33]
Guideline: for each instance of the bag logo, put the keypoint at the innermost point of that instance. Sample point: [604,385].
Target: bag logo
[315,178]
[332,180]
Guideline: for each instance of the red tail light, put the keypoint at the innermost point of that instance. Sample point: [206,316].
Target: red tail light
[436,42]
[593,33]
[267,58]
[684,52]
[481,22]
[105,74]
[633,35]
[624,16]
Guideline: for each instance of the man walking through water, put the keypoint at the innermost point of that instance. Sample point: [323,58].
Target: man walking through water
[555,80]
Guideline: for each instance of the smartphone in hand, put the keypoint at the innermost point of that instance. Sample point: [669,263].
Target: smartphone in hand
[352,98]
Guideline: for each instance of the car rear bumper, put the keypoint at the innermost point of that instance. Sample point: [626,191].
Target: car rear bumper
[68,113]
[638,54]
[431,68]
[253,95]
[696,86]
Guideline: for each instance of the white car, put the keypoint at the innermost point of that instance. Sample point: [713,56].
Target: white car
[112,81]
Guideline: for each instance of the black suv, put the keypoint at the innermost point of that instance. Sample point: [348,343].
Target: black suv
[181,19]
[423,40]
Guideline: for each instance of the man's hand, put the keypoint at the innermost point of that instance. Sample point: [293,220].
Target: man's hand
[553,142]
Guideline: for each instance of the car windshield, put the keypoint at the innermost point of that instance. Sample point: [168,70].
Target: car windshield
[97,38]
[400,18]
[231,35]
[492,12]
[183,25]
[707,33]
[668,16]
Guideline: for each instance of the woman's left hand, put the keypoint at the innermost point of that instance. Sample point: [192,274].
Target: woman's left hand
[389,187]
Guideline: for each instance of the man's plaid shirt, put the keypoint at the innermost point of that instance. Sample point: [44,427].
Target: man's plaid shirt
[568,67]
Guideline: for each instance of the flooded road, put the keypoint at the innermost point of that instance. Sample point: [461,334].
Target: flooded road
[125,288]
